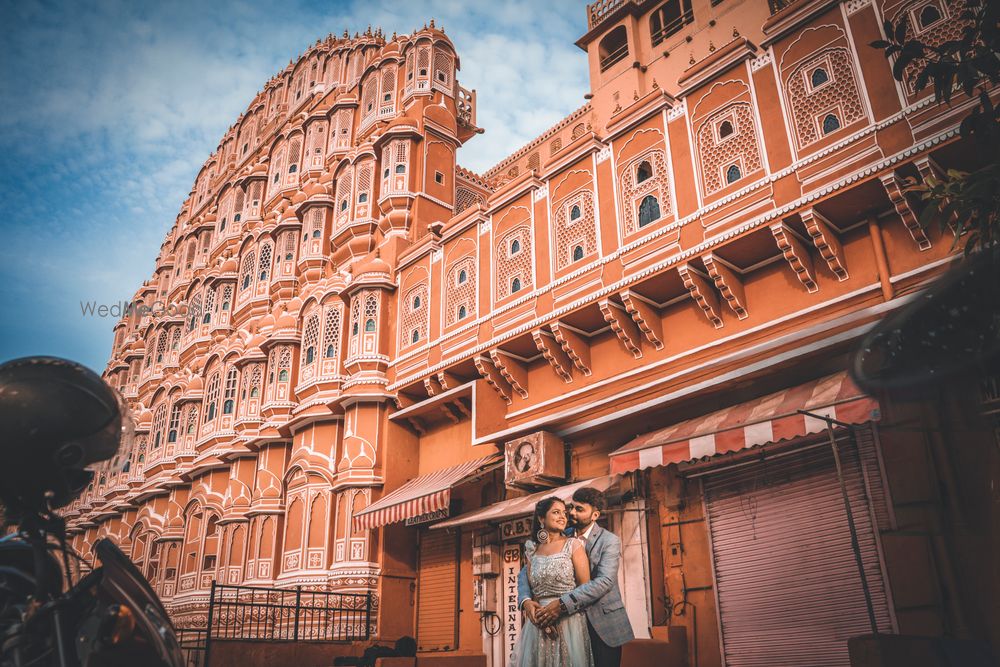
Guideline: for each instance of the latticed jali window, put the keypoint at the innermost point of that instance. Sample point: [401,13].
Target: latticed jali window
[264,267]
[739,148]
[460,291]
[643,176]
[933,23]
[575,228]
[363,188]
[513,262]
[159,422]
[342,211]
[824,85]
[294,161]
[229,394]
[466,197]
[332,323]
[414,309]
[310,340]
[246,272]
[212,398]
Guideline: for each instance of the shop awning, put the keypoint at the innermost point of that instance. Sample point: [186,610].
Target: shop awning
[515,507]
[769,419]
[427,493]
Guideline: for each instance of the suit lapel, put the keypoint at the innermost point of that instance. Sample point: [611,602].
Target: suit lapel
[595,535]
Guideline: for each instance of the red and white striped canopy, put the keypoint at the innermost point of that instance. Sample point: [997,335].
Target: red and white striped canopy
[427,493]
[769,419]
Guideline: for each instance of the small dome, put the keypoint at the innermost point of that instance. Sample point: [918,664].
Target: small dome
[374,265]
[441,116]
[231,265]
[285,321]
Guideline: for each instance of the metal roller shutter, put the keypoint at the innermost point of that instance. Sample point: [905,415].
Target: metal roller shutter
[437,604]
[787,579]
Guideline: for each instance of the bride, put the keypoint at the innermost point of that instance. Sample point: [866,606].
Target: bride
[556,565]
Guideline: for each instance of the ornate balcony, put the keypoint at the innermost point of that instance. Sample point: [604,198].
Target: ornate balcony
[598,11]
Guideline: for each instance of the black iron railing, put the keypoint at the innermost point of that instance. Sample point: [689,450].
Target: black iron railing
[249,613]
[192,646]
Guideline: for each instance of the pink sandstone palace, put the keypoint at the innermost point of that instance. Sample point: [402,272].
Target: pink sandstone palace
[384,359]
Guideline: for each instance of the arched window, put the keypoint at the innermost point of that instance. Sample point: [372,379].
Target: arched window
[227,406]
[210,417]
[515,247]
[400,168]
[515,285]
[385,174]
[293,168]
[222,225]
[574,213]
[246,282]
[577,253]
[830,123]
[462,312]
[670,17]
[330,349]
[649,210]
[343,205]
[818,77]
[733,174]
[613,47]
[415,337]
[929,15]
[283,375]
[462,276]
[354,329]
[369,325]
[310,354]
[237,217]
[416,302]
[316,235]
[725,129]
[205,320]
[643,172]
[363,197]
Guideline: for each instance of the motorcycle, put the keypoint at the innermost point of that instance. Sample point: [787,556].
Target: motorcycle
[56,419]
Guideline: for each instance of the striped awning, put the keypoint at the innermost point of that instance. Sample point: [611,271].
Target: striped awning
[524,505]
[422,495]
[769,419]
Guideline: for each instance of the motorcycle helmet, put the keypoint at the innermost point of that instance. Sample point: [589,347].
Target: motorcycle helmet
[56,418]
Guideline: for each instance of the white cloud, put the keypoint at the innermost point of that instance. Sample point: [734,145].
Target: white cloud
[113,107]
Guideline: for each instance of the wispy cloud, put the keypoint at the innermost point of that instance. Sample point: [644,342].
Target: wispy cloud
[113,106]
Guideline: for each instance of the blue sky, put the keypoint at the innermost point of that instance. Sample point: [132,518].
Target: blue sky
[110,109]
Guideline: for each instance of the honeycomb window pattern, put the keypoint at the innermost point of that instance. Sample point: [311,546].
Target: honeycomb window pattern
[460,295]
[717,155]
[633,191]
[571,232]
[415,310]
[838,94]
[513,265]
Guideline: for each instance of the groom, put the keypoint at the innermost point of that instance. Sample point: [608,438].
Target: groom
[600,599]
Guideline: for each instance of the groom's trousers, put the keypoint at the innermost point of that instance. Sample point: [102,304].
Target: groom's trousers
[604,655]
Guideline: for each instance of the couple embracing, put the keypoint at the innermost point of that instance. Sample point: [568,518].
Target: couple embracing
[569,588]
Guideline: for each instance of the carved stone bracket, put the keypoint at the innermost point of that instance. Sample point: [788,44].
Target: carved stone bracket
[417,425]
[728,283]
[646,317]
[448,380]
[622,324]
[796,254]
[893,187]
[512,371]
[493,377]
[553,353]
[702,293]
[576,347]
[432,385]
[826,241]
[929,168]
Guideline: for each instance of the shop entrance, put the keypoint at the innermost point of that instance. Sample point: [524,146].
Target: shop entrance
[788,584]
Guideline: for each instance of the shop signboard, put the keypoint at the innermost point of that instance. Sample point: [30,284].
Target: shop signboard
[511,613]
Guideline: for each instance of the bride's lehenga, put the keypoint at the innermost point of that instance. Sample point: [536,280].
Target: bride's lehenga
[569,646]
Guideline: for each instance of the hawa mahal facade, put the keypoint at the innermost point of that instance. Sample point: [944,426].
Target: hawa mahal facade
[382,354]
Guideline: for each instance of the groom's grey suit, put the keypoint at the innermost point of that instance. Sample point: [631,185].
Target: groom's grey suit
[600,598]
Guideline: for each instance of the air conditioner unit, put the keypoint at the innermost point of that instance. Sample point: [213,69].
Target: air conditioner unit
[535,461]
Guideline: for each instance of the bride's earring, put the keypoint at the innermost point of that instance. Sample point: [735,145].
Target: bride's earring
[543,536]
